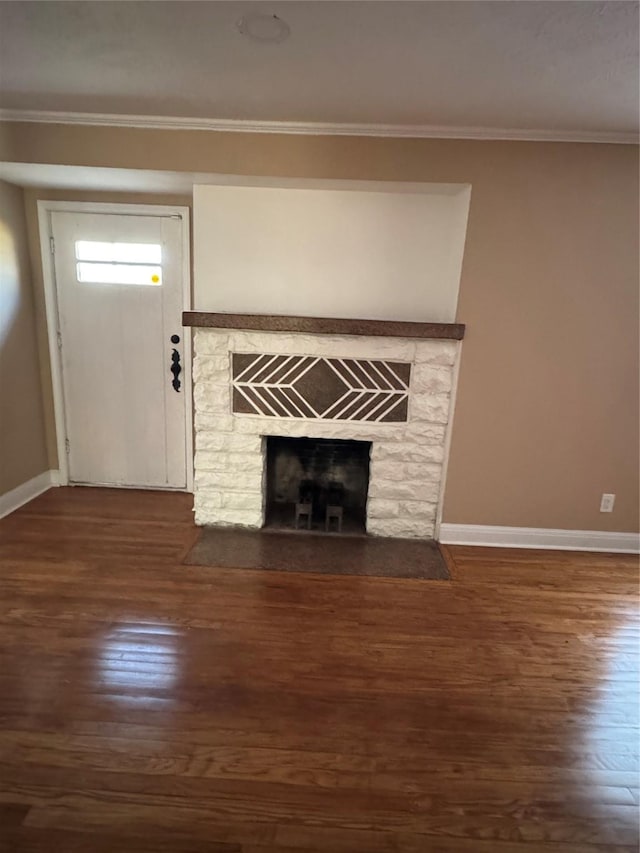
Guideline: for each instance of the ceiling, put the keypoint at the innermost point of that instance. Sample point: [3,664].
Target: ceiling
[564,69]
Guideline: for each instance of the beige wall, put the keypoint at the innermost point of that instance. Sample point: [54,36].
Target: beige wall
[547,410]
[22,442]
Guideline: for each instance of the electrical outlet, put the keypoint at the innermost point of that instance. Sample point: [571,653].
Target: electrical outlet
[607,502]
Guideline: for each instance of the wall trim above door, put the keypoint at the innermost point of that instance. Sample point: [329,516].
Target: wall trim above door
[45,209]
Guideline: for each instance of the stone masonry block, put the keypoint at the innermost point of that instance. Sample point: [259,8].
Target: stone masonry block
[427,379]
[430,408]
[245,501]
[418,510]
[212,398]
[222,460]
[436,352]
[405,451]
[340,346]
[233,442]
[402,528]
[299,428]
[210,342]
[432,435]
[214,371]
[389,470]
[211,384]
[407,491]
[213,422]
[205,500]
[237,481]
[229,518]
[381,508]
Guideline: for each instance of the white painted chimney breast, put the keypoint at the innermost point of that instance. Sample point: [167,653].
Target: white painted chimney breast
[362,252]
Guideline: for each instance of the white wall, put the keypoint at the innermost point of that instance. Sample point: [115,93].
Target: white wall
[360,253]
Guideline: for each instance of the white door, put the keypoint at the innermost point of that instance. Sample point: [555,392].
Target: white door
[119,288]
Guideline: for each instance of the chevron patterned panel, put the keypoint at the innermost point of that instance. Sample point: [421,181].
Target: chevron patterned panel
[339,389]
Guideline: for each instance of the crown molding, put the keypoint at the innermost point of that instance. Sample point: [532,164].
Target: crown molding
[406,131]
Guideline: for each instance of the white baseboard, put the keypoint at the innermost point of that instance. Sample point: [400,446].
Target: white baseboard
[26,492]
[539,537]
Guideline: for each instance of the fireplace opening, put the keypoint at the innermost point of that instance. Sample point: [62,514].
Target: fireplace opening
[317,484]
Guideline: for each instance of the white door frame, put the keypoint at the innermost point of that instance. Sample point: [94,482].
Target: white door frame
[45,209]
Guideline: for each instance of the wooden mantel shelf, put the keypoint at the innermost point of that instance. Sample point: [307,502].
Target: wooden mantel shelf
[323,325]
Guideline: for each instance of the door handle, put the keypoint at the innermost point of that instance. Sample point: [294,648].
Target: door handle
[176,368]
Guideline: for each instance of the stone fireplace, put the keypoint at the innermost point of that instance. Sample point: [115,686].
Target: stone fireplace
[392,391]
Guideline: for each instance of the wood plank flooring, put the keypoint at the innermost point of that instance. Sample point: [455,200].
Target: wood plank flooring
[148,706]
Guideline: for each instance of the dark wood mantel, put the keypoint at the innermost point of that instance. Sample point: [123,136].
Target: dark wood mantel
[323,325]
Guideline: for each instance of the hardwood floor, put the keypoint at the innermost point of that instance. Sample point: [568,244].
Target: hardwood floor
[147,706]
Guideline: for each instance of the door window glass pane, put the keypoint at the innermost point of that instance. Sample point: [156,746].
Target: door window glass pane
[124,253]
[97,273]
